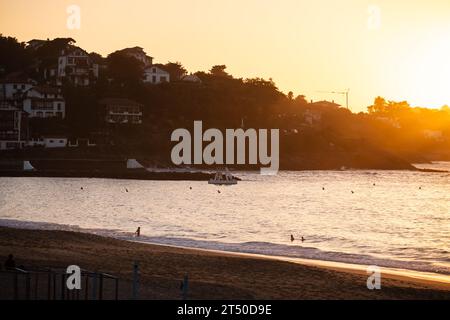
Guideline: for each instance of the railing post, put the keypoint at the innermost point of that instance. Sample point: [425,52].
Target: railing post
[94,286]
[136,281]
[86,289]
[28,287]
[36,286]
[100,289]
[185,287]
[117,289]
[63,286]
[16,286]
[49,285]
[54,286]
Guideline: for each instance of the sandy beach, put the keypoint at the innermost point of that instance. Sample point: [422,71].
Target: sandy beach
[212,275]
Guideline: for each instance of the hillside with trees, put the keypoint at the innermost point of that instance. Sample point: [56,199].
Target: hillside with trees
[312,135]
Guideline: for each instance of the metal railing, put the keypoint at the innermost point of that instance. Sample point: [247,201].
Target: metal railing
[50,284]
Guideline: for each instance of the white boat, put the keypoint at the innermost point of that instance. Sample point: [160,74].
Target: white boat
[225,178]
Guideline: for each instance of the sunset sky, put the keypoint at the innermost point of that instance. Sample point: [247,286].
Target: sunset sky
[306,46]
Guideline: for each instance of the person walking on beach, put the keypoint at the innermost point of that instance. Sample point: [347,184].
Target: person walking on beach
[10,264]
[138,232]
[292,238]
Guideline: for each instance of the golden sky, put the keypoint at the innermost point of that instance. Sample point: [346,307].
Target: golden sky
[306,46]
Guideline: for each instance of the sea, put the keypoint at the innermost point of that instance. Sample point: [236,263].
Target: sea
[398,219]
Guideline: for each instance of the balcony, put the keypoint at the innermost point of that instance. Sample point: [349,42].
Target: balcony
[119,113]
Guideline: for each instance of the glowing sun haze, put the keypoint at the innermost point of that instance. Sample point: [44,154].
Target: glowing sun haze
[305,46]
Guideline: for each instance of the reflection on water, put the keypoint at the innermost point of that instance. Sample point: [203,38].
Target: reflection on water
[395,218]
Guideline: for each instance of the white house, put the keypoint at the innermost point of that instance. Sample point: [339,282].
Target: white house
[121,111]
[75,65]
[14,88]
[312,116]
[44,102]
[191,78]
[436,135]
[13,126]
[156,75]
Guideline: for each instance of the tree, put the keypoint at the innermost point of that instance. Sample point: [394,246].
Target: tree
[124,70]
[219,71]
[52,48]
[290,95]
[379,106]
[175,69]
[97,58]
[301,100]
[13,55]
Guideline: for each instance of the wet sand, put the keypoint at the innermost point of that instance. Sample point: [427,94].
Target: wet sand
[212,274]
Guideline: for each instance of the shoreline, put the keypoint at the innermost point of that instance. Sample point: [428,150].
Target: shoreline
[431,278]
[390,269]
[213,274]
[143,174]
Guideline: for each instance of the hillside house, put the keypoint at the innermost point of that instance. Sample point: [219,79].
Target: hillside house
[121,111]
[44,102]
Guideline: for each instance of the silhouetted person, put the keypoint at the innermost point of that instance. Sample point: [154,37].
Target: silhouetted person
[292,238]
[138,232]
[10,264]
[81,188]
[190,188]
[303,239]
[323,188]
[353,191]
[126,189]
[218,191]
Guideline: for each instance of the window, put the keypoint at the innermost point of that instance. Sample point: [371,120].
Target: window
[154,79]
[51,141]
[135,110]
[154,70]
[61,141]
[15,86]
[23,87]
[59,106]
[12,145]
[163,79]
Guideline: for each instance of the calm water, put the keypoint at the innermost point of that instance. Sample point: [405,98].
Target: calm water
[401,221]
